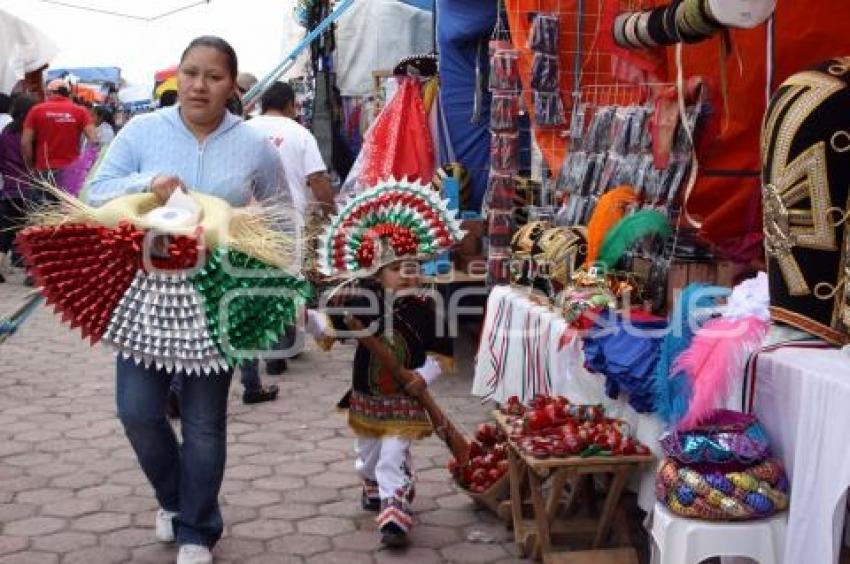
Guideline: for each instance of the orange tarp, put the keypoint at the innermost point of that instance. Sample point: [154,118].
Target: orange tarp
[806,33]
[726,195]
[552,143]
[86,93]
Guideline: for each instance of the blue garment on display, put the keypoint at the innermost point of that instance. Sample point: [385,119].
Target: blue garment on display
[626,356]
[463,27]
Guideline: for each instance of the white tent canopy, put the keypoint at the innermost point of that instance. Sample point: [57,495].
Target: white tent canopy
[23,49]
[135,93]
[95,33]
[376,35]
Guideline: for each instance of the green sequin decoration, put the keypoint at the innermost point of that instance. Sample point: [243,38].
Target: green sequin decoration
[256,318]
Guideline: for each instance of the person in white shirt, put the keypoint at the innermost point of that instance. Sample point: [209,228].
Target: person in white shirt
[306,175]
[298,150]
[105,125]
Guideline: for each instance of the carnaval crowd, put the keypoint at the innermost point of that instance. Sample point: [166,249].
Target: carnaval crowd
[198,142]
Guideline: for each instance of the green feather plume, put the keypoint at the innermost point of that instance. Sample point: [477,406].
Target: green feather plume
[629,231]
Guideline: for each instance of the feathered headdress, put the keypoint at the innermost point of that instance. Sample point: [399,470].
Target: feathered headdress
[394,220]
[608,211]
[211,296]
[672,390]
[720,349]
[630,230]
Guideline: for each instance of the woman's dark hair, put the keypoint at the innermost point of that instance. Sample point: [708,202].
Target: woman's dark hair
[21,106]
[105,115]
[219,45]
[234,105]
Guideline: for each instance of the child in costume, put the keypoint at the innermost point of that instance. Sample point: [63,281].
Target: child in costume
[388,228]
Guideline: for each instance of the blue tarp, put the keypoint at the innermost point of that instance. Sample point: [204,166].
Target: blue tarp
[89,75]
[421,4]
[463,30]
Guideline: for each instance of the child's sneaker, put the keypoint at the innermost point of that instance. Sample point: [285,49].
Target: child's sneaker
[392,536]
[370,500]
[394,522]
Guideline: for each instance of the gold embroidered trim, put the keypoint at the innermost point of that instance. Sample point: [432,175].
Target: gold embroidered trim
[375,430]
[803,182]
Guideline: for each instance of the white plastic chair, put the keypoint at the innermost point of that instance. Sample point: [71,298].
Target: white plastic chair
[678,540]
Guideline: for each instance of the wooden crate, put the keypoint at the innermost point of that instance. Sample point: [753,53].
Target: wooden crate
[533,536]
[680,274]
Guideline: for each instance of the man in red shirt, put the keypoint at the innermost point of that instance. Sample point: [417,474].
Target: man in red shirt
[52,130]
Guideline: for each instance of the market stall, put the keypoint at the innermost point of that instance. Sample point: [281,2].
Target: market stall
[624,255]
[605,158]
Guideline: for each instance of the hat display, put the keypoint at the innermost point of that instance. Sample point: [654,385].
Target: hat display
[805,188]
[726,436]
[561,250]
[393,220]
[524,240]
[422,64]
[745,14]
[715,493]
[721,470]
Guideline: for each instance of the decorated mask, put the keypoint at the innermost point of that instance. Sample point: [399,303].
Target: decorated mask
[805,183]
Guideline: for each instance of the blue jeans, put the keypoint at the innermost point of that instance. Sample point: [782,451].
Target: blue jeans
[248,371]
[186,478]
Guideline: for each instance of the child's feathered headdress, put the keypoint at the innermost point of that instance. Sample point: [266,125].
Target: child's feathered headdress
[394,220]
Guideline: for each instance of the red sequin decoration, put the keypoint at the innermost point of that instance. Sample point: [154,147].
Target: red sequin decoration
[84,270]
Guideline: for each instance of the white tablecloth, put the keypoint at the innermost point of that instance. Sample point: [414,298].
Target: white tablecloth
[802,397]
[513,318]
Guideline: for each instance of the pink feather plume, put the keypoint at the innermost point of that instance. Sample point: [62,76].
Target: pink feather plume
[716,356]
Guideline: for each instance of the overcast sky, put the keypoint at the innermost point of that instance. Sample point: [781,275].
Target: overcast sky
[261,31]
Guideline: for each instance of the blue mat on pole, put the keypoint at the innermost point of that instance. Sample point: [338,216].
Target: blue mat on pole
[461,26]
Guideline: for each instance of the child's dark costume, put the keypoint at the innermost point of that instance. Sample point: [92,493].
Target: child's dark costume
[392,221]
[383,416]
[377,403]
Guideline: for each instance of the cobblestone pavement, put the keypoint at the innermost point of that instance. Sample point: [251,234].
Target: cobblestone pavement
[71,491]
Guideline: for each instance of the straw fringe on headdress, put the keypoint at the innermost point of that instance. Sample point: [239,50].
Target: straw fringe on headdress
[264,231]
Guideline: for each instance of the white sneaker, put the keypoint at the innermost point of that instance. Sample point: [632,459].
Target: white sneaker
[194,554]
[165,525]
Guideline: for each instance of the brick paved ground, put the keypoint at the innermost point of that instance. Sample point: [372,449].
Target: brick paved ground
[71,492]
